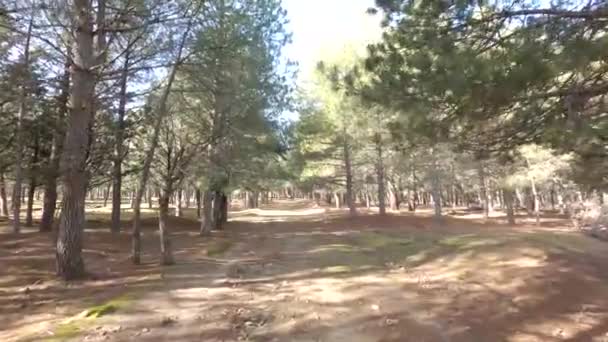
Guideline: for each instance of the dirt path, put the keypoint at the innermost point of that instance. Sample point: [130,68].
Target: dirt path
[296,273]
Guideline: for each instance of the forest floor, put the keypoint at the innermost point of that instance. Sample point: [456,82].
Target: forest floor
[295,272]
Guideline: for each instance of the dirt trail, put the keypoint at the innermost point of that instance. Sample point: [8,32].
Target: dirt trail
[279,282]
[293,272]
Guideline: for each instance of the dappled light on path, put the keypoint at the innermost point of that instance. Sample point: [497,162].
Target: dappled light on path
[311,274]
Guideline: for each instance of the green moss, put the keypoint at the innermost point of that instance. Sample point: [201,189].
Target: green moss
[469,241]
[376,240]
[74,326]
[101,310]
[108,307]
[217,248]
[66,331]
[559,242]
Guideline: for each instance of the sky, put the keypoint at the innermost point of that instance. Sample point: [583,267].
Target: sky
[323,27]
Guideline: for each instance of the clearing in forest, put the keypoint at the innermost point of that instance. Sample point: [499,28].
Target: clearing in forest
[295,272]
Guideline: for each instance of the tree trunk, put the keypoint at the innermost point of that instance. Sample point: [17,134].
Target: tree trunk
[197,196]
[166,253]
[119,152]
[560,202]
[149,193]
[187,198]
[536,201]
[16,204]
[352,209]
[217,211]
[224,209]
[29,221]
[552,194]
[535,197]
[206,224]
[49,199]
[145,174]
[436,186]
[380,178]
[3,199]
[256,199]
[69,241]
[337,200]
[508,200]
[178,203]
[483,192]
[116,194]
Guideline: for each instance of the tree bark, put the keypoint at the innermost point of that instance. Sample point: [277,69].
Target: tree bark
[70,264]
[198,202]
[218,203]
[187,198]
[166,253]
[145,174]
[508,200]
[31,192]
[119,152]
[29,220]
[207,213]
[337,200]
[536,201]
[3,199]
[49,199]
[483,192]
[380,178]
[535,197]
[436,186]
[16,204]
[178,203]
[352,209]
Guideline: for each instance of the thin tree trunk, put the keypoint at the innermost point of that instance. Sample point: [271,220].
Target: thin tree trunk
[198,202]
[106,194]
[508,200]
[380,178]
[552,194]
[207,213]
[178,203]
[119,152]
[436,186]
[536,201]
[560,202]
[535,197]
[149,198]
[223,210]
[166,253]
[218,199]
[187,198]
[352,209]
[19,130]
[29,220]
[3,199]
[483,192]
[145,174]
[49,199]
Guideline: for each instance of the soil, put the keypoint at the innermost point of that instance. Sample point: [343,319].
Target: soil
[296,272]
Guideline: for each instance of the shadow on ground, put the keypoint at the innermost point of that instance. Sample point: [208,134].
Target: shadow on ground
[312,274]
